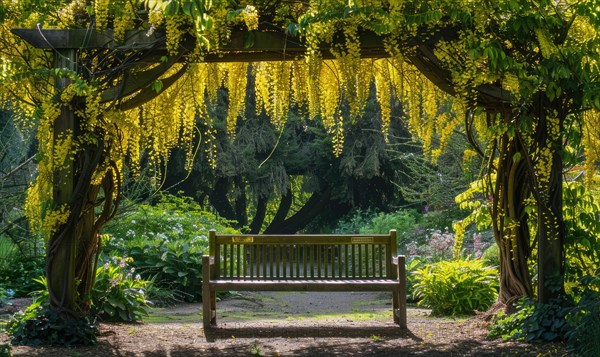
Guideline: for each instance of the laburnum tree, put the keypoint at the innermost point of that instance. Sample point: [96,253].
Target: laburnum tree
[120,77]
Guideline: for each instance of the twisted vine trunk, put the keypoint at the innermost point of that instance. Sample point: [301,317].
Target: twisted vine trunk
[72,249]
[509,220]
[518,180]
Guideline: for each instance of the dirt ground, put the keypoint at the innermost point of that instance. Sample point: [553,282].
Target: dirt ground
[295,324]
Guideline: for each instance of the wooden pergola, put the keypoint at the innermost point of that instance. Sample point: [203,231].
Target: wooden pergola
[244,46]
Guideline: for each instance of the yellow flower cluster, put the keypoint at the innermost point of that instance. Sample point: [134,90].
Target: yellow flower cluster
[236,84]
[547,47]
[383,92]
[101,12]
[543,167]
[124,22]
[53,218]
[176,27]
[250,17]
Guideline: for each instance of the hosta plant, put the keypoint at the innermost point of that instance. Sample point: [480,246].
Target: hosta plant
[456,287]
[119,294]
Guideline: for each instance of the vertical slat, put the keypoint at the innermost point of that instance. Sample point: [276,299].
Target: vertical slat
[312,260]
[284,261]
[360,261]
[251,261]
[305,258]
[293,261]
[224,260]
[290,249]
[271,261]
[380,255]
[373,262]
[333,256]
[346,260]
[367,272]
[297,247]
[325,260]
[340,262]
[238,249]
[353,257]
[319,247]
[231,261]
[264,261]
[278,260]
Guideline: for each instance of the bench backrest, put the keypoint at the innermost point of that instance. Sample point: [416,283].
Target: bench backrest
[293,257]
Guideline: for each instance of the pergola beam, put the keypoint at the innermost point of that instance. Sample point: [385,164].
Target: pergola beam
[259,46]
[243,46]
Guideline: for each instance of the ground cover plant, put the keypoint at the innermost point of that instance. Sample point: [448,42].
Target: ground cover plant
[165,241]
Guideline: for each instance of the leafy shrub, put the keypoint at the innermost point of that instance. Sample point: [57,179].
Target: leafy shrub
[21,274]
[456,287]
[584,320]
[491,256]
[403,221]
[535,321]
[5,350]
[7,253]
[38,325]
[510,326]
[166,241]
[412,264]
[118,294]
[356,221]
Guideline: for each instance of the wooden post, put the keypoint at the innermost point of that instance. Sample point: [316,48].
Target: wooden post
[401,313]
[206,308]
[61,255]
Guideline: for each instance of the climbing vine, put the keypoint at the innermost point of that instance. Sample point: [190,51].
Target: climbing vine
[515,76]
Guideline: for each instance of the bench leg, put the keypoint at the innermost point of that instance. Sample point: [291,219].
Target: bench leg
[213,308]
[399,297]
[207,305]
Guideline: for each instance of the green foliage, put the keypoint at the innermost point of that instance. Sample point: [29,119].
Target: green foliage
[535,321]
[411,279]
[5,350]
[356,221]
[19,277]
[367,221]
[456,287]
[166,242]
[38,325]
[578,323]
[582,220]
[403,221]
[118,294]
[5,294]
[509,326]
[491,256]
[7,253]
[584,320]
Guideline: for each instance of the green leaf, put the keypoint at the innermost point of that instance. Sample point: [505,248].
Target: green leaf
[157,86]
[172,8]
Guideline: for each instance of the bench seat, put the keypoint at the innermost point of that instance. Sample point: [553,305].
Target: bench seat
[305,285]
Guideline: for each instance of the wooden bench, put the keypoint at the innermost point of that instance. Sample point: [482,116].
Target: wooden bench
[303,263]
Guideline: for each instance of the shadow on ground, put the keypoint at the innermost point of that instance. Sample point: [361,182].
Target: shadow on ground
[305,324]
